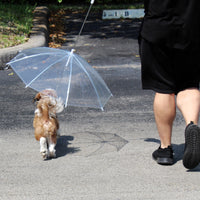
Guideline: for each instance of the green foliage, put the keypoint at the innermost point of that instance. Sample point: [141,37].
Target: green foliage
[15,23]
[16,16]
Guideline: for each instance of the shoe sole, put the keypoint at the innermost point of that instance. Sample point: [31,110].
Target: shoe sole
[191,157]
[164,161]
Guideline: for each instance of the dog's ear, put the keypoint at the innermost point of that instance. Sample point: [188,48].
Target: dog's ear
[37,97]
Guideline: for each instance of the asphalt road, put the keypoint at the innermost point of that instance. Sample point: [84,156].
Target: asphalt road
[100,155]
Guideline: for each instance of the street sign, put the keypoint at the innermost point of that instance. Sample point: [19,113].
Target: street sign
[123,13]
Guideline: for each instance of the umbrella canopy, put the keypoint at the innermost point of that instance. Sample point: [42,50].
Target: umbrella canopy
[73,79]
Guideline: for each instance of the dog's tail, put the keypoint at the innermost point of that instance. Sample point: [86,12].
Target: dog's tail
[44,110]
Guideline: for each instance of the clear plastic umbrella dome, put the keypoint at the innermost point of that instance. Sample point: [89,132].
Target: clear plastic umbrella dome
[73,79]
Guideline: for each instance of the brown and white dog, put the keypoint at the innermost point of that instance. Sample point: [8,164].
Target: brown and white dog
[45,122]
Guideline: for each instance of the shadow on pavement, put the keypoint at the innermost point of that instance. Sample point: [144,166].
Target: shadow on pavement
[62,148]
[178,149]
[178,152]
[98,28]
[89,144]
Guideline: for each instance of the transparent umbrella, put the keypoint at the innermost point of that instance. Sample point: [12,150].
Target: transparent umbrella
[73,79]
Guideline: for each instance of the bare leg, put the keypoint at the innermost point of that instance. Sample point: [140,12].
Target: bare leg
[188,101]
[165,112]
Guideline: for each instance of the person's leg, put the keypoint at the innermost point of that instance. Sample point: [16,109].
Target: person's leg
[157,74]
[165,112]
[188,102]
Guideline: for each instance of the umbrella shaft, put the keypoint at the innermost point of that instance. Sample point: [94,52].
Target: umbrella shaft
[82,25]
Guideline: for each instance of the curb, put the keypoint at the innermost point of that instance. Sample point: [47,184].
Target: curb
[38,36]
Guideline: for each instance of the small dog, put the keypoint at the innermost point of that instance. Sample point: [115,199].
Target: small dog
[45,122]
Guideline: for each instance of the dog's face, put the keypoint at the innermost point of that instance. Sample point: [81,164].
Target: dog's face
[50,98]
[45,93]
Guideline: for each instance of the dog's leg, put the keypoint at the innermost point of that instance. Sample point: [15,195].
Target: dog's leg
[43,148]
[52,145]
[52,150]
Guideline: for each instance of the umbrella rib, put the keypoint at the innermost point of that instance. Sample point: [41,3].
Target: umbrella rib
[31,56]
[91,82]
[70,76]
[44,71]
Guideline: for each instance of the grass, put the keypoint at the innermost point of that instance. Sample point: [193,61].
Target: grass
[15,24]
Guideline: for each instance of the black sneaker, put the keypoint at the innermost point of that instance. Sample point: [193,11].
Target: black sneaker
[191,157]
[163,156]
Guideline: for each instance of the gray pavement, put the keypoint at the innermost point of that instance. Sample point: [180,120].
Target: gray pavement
[101,155]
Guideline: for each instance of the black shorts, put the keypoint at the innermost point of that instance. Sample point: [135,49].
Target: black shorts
[168,70]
